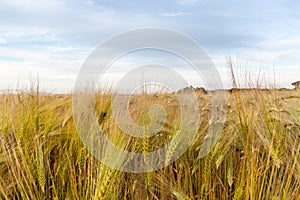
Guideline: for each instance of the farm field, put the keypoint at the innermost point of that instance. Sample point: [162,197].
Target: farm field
[256,157]
[149,100]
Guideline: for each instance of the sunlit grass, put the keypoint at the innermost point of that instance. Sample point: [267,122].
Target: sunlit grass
[257,156]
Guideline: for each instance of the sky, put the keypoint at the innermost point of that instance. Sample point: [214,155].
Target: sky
[50,40]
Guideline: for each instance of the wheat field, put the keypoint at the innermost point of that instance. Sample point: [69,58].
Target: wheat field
[256,157]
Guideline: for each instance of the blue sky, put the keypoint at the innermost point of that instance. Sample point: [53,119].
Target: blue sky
[51,39]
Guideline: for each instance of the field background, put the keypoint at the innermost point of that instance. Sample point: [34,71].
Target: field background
[257,156]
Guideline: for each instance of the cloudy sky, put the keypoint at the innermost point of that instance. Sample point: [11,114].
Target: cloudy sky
[51,39]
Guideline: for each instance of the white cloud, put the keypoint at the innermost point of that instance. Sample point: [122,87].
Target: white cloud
[174,14]
[32,4]
[55,72]
[226,13]
[52,38]
[280,43]
[9,34]
[3,40]
[187,2]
